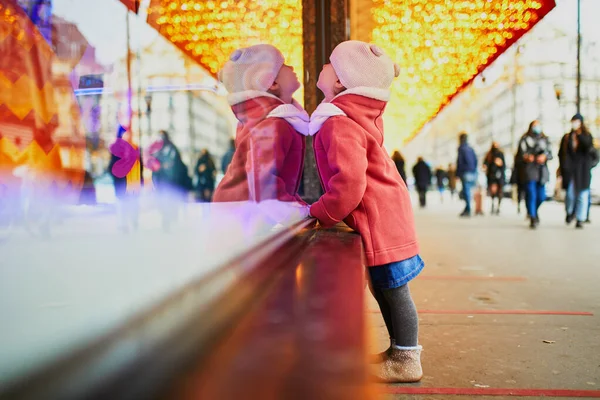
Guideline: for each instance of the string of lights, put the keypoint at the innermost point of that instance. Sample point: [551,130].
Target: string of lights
[440,45]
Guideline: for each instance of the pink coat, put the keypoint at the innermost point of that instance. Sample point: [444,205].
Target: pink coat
[363,187]
[269,155]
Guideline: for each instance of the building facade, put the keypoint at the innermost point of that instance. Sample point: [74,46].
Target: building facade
[168,92]
[534,79]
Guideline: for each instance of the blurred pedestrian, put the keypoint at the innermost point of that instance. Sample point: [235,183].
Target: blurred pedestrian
[228,156]
[577,157]
[127,184]
[517,178]
[595,159]
[495,168]
[452,180]
[399,162]
[422,174]
[172,174]
[535,151]
[171,180]
[466,170]
[205,175]
[440,179]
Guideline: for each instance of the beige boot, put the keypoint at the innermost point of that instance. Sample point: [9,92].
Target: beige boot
[403,365]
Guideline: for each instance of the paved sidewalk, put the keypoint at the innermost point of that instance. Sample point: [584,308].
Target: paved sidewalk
[505,312]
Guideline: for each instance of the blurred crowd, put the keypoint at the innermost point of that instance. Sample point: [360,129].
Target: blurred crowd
[526,181]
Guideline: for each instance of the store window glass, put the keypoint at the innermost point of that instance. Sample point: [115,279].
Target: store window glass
[115,134]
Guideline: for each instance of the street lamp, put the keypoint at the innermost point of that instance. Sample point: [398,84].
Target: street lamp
[578,97]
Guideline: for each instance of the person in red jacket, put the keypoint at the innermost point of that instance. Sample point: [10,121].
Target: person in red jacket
[270,137]
[364,189]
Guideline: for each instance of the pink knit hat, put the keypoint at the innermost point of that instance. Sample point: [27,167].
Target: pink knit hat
[362,64]
[251,68]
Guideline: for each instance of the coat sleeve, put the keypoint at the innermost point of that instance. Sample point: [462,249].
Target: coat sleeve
[524,149]
[586,142]
[345,145]
[270,141]
[548,152]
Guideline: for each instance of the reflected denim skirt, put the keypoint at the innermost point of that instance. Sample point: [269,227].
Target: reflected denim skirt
[396,274]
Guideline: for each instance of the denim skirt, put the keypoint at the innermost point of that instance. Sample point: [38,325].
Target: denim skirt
[395,274]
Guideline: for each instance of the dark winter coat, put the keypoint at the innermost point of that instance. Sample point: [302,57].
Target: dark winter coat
[495,173]
[422,174]
[226,160]
[576,162]
[206,178]
[440,175]
[400,167]
[518,173]
[535,145]
[466,161]
[173,172]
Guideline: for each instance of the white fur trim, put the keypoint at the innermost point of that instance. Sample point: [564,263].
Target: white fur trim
[370,92]
[294,114]
[407,348]
[321,114]
[239,97]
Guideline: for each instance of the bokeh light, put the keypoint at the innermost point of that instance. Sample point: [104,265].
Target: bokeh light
[441,45]
[209,31]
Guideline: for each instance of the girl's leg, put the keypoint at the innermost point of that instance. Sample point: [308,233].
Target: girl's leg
[385,310]
[403,362]
[405,321]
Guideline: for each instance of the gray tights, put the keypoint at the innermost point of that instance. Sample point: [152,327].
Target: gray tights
[399,313]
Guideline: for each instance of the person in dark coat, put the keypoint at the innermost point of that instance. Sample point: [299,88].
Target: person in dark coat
[440,180]
[127,188]
[495,168]
[466,170]
[517,178]
[535,151]
[422,174]
[399,162]
[595,160]
[171,181]
[228,156]
[172,174]
[205,174]
[577,157]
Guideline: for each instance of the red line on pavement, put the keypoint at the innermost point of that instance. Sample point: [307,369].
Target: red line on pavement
[471,278]
[494,392]
[503,312]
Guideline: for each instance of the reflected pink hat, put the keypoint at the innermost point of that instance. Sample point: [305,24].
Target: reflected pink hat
[362,64]
[252,68]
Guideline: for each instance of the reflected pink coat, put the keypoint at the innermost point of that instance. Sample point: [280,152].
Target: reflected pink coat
[363,187]
[269,156]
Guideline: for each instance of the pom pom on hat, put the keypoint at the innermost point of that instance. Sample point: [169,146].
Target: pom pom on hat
[251,68]
[362,64]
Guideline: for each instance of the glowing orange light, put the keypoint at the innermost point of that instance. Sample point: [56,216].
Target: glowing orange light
[209,31]
[442,49]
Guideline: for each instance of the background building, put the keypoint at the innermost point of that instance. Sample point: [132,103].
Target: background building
[170,92]
[534,79]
